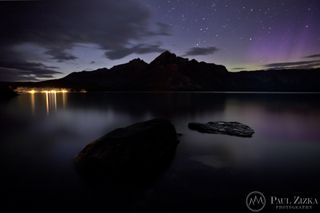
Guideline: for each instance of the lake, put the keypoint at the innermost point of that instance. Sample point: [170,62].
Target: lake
[42,133]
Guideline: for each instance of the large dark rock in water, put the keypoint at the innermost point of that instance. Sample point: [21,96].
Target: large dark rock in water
[221,127]
[138,151]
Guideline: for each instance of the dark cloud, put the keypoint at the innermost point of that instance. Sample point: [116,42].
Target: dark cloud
[200,51]
[59,25]
[313,56]
[60,55]
[138,49]
[25,71]
[13,67]
[294,65]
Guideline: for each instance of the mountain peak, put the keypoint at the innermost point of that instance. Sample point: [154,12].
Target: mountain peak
[165,58]
[167,53]
[133,64]
[137,60]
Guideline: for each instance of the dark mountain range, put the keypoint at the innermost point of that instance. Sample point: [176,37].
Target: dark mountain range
[171,73]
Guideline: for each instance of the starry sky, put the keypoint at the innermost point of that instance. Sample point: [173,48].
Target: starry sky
[46,39]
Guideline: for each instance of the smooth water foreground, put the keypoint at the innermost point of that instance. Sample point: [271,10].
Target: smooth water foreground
[42,133]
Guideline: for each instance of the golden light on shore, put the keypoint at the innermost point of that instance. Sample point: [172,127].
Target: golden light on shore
[50,91]
[41,90]
[35,90]
[32,91]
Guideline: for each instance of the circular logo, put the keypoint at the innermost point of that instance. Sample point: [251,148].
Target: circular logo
[255,201]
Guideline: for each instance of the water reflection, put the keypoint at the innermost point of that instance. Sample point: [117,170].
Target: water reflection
[49,101]
[33,105]
[206,168]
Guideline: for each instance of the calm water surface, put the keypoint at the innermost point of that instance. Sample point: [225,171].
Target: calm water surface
[41,134]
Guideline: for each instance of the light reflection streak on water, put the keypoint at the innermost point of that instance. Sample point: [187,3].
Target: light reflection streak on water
[64,100]
[33,104]
[50,99]
[47,103]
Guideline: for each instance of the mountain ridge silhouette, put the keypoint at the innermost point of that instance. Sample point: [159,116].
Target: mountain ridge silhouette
[169,72]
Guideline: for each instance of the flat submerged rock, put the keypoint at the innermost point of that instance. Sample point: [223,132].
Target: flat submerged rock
[222,127]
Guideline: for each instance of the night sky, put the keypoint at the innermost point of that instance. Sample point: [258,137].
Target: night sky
[46,39]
